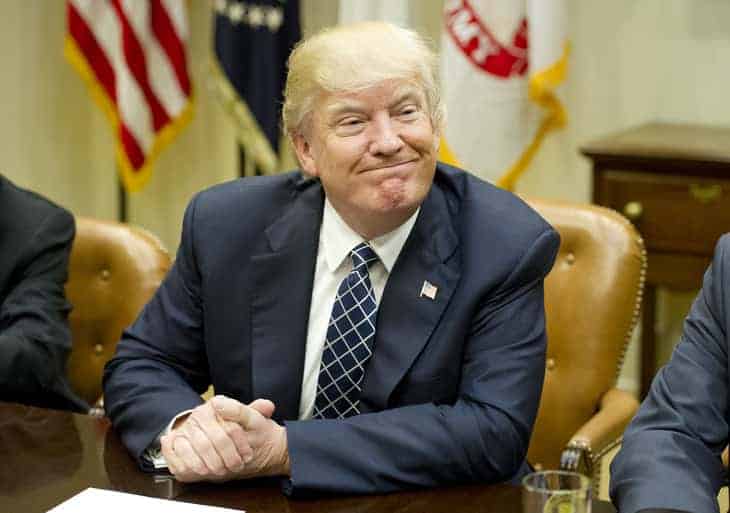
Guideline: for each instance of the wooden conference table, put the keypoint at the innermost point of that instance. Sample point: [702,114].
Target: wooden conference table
[48,456]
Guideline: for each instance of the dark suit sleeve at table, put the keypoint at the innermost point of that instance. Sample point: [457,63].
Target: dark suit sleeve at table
[671,451]
[483,436]
[160,366]
[34,337]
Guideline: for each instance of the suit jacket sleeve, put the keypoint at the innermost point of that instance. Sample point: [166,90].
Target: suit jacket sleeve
[670,456]
[34,336]
[160,366]
[483,436]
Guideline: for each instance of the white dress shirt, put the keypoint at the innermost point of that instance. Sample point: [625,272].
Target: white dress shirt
[336,240]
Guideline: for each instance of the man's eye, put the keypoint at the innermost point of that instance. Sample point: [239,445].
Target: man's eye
[350,126]
[408,111]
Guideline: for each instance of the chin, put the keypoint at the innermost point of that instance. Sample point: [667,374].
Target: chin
[397,205]
[399,194]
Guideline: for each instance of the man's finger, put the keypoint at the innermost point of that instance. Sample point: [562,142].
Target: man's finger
[236,433]
[219,445]
[230,409]
[201,441]
[264,407]
[184,450]
[174,464]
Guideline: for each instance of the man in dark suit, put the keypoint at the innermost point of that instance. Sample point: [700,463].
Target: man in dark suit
[373,324]
[670,457]
[35,242]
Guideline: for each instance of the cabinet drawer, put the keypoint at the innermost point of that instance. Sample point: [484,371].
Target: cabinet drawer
[673,213]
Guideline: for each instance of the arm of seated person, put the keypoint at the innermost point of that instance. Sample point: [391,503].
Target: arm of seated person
[671,451]
[34,335]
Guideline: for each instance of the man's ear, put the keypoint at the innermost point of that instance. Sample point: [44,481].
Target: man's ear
[304,153]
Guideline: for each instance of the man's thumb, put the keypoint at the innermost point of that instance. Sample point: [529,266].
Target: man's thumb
[264,407]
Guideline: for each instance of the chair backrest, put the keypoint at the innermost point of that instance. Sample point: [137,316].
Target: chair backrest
[114,270]
[592,300]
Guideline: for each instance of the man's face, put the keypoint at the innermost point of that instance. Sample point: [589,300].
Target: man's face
[375,153]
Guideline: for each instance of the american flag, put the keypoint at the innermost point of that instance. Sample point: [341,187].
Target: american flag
[132,55]
[429,290]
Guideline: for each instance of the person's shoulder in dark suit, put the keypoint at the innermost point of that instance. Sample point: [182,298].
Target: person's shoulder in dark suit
[670,456]
[35,243]
[487,218]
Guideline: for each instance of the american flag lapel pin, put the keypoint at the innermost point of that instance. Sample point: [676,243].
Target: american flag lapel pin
[429,290]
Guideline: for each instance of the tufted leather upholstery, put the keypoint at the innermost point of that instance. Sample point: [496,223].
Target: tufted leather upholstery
[114,270]
[592,299]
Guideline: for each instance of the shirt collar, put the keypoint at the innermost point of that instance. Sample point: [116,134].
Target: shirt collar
[338,239]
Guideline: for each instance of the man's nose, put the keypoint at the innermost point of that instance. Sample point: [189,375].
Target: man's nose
[385,138]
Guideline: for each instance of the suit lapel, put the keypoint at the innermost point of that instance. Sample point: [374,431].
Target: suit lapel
[284,274]
[406,318]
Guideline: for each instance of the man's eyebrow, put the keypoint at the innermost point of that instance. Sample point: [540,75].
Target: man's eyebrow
[346,105]
[343,106]
[407,93]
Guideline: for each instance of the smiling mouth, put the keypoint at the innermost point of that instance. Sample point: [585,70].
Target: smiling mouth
[390,166]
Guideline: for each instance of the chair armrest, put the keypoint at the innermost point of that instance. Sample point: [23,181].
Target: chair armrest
[602,431]
[97,410]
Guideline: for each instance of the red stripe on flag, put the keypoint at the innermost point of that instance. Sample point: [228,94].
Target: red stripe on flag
[131,148]
[134,55]
[95,56]
[162,26]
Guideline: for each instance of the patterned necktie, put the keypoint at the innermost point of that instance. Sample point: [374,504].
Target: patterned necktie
[349,341]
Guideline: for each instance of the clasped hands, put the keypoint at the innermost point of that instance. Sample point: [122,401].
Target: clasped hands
[224,439]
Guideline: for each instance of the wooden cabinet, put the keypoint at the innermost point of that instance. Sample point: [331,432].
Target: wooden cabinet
[673,182]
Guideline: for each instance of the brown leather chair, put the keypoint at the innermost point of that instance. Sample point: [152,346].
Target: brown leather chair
[592,300]
[114,270]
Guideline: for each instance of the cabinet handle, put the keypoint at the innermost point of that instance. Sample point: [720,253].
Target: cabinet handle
[705,193]
[633,210]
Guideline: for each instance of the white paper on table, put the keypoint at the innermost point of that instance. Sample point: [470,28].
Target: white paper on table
[94,499]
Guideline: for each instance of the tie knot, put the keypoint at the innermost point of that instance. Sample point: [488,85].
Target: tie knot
[363,254]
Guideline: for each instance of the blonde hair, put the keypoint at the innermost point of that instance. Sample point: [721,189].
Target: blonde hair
[355,57]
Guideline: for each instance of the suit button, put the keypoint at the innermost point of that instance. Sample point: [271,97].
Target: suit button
[550,364]
[105,274]
[570,258]
[98,349]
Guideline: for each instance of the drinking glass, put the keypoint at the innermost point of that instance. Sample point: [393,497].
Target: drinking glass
[556,491]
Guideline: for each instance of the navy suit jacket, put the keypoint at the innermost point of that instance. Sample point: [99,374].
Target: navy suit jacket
[670,457]
[452,389]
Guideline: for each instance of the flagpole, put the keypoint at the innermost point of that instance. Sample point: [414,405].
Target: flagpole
[246,167]
[241,161]
[121,202]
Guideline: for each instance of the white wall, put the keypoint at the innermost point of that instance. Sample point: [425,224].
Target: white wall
[633,61]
